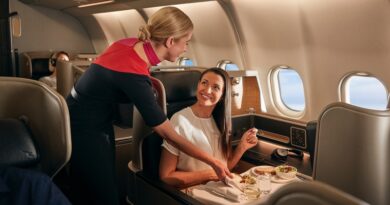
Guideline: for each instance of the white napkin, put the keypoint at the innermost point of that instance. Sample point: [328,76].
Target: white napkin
[228,192]
[234,182]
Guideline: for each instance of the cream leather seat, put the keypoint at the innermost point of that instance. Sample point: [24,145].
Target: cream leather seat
[313,193]
[353,150]
[46,114]
[174,91]
[35,64]
[65,77]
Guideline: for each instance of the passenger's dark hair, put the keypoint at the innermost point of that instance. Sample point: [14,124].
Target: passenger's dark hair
[222,111]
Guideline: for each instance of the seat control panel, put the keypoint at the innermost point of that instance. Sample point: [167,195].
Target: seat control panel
[298,137]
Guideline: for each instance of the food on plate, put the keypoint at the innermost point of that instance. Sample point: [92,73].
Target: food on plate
[286,171]
[236,178]
[265,170]
[247,179]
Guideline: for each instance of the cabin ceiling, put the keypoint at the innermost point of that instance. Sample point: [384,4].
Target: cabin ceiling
[71,6]
[58,4]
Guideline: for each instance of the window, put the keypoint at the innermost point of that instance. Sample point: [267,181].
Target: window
[227,65]
[364,90]
[231,66]
[184,61]
[287,91]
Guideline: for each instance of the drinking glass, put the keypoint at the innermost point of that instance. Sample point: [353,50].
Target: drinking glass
[264,183]
[251,192]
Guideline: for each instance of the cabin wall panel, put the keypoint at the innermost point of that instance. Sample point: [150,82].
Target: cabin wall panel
[322,40]
[96,33]
[247,95]
[213,37]
[48,29]
[354,38]
[273,36]
[120,24]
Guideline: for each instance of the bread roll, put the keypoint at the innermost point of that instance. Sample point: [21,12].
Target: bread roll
[265,170]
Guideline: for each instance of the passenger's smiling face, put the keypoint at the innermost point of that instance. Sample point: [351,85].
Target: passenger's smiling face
[210,89]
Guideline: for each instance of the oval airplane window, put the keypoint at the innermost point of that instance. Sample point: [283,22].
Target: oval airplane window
[231,66]
[287,91]
[184,61]
[365,91]
[227,65]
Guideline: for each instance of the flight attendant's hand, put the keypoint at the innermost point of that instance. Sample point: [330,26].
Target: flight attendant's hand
[221,170]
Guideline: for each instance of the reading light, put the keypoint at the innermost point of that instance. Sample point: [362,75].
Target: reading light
[95,4]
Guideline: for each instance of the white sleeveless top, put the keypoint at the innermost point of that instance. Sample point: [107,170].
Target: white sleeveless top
[202,132]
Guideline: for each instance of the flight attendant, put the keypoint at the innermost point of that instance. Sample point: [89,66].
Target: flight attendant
[121,74]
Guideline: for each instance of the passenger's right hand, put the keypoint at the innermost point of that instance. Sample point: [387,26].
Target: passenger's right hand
[248,139]
[221,170]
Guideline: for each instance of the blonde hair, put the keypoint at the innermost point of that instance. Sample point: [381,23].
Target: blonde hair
[166,22]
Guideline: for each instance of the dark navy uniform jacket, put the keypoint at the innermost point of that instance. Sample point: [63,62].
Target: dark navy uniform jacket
[27,187]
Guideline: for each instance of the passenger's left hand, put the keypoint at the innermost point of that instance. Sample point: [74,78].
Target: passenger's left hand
[249,139]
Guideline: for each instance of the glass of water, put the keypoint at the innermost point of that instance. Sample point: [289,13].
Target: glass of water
[264,183]
[251,192]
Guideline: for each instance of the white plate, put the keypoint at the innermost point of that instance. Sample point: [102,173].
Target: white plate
[279,180]
[263,166]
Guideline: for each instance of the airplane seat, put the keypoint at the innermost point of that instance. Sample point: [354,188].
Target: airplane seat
[35,64]
[68,72]
[353,155]
[180,92]
[34,126]
[388,102]
[177,90]
[313,193]
[180,88]
[311,137]
[65,77]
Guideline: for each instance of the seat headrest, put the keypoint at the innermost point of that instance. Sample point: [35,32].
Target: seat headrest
[179,85]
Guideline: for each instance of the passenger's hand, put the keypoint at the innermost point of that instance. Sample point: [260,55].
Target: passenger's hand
[249,139]
[221,170]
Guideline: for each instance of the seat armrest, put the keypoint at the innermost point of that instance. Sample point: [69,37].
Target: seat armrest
[167,190]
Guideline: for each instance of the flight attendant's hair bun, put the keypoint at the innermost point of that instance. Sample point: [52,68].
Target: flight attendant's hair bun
[144,33]
[166,22]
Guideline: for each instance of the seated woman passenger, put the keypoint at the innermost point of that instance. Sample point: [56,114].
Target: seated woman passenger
[207,124]
[51,80]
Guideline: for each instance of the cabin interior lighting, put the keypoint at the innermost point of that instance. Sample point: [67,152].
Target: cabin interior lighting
[95,4]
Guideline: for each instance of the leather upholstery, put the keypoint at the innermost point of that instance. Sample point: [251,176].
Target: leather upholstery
[65,77]
[352,151]
[47,116]
[17,147]
[313,193]
[179,92]
[180,88]
[174,91]
[35,64]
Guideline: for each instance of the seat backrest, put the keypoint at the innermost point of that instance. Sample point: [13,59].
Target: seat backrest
[388,102]
[180,92]
[180,88]
[47,117]
[140,129]
[65,78]
[313,193]
[352,151]
[35,64]
[177,90]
